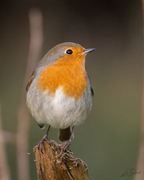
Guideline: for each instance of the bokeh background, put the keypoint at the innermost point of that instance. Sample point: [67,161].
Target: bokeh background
[109,139]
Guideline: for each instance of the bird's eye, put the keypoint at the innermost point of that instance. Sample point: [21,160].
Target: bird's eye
[69,51]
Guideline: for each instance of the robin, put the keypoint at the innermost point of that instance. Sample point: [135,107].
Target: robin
[59,92]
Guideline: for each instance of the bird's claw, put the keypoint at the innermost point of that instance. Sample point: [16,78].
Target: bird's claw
[65,146]
[45,138]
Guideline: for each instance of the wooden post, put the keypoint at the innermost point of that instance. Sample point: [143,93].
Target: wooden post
[50,167]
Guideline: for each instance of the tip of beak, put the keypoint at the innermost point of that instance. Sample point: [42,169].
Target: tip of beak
[88,50]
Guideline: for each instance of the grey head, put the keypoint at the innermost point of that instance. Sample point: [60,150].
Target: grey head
[52,56]
[55,53]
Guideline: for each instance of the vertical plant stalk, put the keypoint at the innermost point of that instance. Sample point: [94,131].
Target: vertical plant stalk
[35,47]
[140,161]
[4,169]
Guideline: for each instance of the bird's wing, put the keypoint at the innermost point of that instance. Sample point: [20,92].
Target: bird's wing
[42,126]
[30,80]
[92,91]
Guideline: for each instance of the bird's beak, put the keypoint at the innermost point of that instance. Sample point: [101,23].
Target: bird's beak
[88,50]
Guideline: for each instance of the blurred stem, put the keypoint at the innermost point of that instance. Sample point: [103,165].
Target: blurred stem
[4,169]
[140,162]
[35,46]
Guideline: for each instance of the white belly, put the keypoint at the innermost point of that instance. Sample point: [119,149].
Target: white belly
[59,111]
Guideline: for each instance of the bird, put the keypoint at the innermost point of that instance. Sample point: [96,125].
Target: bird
[59,92]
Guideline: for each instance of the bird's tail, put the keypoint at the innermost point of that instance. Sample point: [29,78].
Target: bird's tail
[64,134]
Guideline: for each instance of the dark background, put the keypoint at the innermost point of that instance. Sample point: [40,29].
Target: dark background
[109,139]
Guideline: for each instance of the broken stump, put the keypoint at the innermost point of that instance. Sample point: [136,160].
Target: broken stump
[52,167]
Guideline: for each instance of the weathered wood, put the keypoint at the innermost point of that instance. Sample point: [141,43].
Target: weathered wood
[50,167]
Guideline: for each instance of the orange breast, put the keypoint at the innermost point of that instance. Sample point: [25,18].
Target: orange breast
[68,72]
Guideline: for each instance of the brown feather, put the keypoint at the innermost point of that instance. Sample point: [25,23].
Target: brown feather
[41,125]
[92,91]
[64,134]
[30,80]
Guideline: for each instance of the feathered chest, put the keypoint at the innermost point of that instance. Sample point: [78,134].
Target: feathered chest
[70,75]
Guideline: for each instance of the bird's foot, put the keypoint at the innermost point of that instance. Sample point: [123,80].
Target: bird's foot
[45,138]
[65,146]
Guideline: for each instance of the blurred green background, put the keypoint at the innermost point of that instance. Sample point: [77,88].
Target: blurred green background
[109,139]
